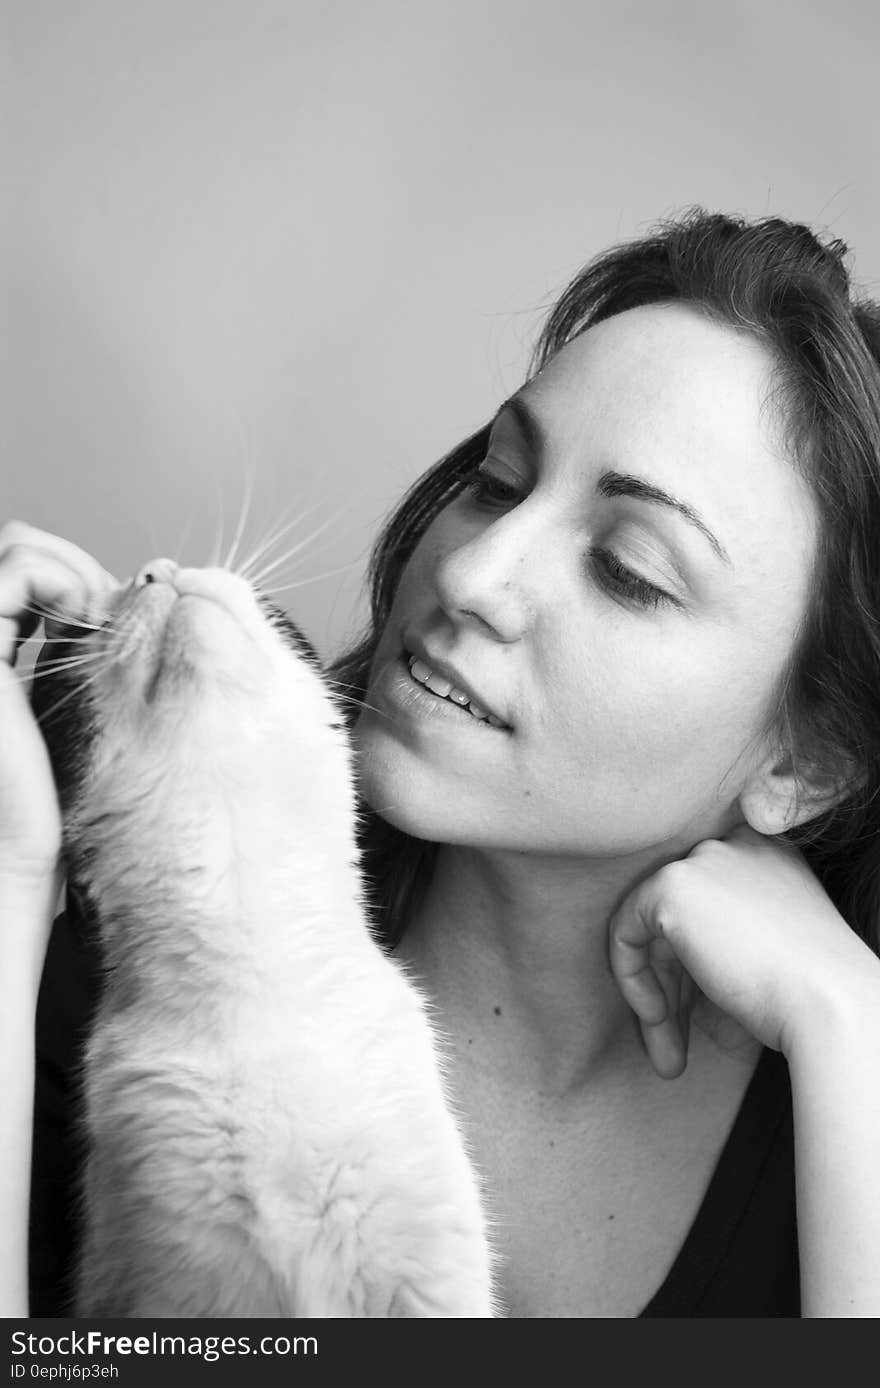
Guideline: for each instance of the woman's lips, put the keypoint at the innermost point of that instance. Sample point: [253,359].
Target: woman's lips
[444,688]
[439,674]
[398,694]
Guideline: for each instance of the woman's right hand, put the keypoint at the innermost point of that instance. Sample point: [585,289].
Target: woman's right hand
[37,570]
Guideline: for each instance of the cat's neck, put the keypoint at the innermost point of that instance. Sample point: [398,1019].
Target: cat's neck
[199,889]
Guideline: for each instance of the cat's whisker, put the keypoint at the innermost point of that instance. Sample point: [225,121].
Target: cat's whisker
[45,671]
[337,686]
[47,713]
[182,541]
[302,582]
[297,549]
[272,539]
[56,662]
[154,543]
[66,618]
[29,677]
[259,577]
[59,640]
[360,703]
[263,546]
[307,539]
[250,482]
[96,662]
[214,557]
[74,655]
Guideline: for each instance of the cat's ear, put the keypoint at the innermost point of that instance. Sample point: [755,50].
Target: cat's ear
[785,791]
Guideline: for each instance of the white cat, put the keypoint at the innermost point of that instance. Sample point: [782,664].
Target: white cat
[268,1129]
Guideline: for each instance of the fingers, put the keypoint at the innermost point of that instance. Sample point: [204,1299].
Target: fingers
[47,573]
[652,979]
[666,1042]
[666,1048]
[636,946]
[686,1004]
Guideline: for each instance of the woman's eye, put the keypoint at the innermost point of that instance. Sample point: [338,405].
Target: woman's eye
[618,579]
[490,491]
[487,489]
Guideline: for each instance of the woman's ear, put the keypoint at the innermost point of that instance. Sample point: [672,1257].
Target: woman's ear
[783,792]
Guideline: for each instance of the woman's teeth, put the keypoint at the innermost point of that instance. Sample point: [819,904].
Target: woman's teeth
[445,689]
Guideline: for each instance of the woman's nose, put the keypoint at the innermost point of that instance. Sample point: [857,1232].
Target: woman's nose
[490,580]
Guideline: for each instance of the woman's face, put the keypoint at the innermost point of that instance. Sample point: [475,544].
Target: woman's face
[620,589]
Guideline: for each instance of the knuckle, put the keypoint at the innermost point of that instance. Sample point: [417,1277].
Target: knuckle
[673,886]
[673,878]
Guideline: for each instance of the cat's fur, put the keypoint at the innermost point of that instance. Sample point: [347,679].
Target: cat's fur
[268,1128]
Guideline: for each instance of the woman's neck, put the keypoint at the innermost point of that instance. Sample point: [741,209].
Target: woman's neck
[513,949]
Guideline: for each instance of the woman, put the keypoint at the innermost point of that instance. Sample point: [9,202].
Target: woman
[623,751]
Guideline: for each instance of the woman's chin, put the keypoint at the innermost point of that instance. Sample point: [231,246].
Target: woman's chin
[387,789]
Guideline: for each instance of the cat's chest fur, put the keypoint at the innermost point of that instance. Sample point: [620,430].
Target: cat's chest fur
[268,1128]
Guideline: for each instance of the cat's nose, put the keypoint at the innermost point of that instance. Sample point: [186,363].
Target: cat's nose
[157,571]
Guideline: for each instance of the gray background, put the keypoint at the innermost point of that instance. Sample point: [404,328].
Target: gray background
[312,242]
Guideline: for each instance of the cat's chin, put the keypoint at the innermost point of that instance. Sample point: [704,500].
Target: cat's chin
[197,652]
[204,652]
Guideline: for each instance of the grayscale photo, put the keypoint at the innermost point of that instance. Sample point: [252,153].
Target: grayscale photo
[439,668]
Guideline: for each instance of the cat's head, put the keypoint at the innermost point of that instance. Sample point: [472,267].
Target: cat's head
[193,670]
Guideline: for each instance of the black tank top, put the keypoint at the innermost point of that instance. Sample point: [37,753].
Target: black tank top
[739,1258]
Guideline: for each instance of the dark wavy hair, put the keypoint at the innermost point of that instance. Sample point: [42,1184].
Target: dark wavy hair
[778,281]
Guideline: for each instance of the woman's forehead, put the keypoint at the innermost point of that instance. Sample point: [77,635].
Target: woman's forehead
[661,364]
[655,376]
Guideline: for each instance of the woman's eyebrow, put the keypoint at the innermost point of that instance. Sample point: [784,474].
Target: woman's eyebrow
[610,483]
[526,421]
[622,484]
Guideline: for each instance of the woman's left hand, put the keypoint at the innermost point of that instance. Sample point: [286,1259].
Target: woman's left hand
[745,920]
